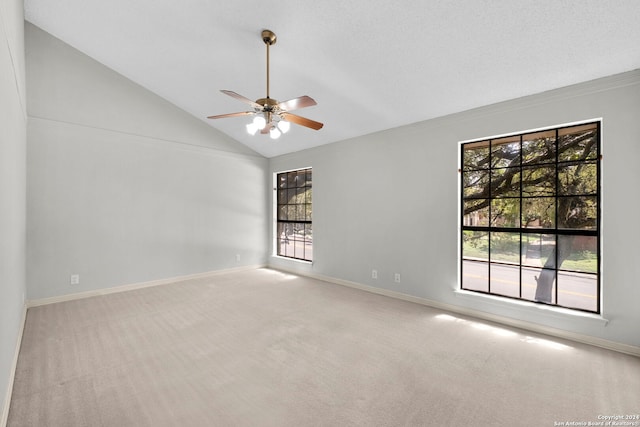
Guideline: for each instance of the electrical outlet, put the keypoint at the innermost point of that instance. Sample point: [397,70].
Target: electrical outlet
[396,278]
[374,274]
[75,279]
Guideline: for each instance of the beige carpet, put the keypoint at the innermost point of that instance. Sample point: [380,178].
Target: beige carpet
[263,348]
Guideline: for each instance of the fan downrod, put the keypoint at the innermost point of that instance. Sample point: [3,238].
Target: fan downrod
[269,38]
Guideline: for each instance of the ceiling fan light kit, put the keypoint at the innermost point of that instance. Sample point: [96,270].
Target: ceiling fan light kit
[271,116]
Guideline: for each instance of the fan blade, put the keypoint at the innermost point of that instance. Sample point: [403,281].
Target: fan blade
[222,116]
[241,98]
[302,121]
[297,103]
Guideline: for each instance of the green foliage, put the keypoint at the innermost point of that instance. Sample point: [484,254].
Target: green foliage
[493,171]
[505,243]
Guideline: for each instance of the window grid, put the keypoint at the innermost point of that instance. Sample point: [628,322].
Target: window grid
[494,174]
[294,238]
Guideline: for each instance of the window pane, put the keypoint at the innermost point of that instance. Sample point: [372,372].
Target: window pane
[291,195]
[578,290]
[475,155]
[302,195]
[301,213]
[505,213]
[505,247]
[298,239]
[578,143]
[577,179]
[283,212]
[530,279]
[292,179]
[289,249]
[538,250]
[298,244]
[578,253]
[505,182]
[308,242]
[475,276]
[292,213]
[301,178]
[280,239]
[539,212]
[475,245]
[308,232]
[578,212]
[284,238]
[539,181]
[505,152]
[476,213]
[539,147]
[505,280]
[475,184]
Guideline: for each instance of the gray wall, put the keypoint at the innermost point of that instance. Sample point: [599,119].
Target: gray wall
[123,187]
[13,126]
[389,201]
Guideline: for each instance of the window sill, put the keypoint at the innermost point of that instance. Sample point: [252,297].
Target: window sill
[284,258]
[296,260]
[551,311]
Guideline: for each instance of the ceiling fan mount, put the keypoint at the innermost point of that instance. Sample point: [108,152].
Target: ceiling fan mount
[271,116]
[269,37]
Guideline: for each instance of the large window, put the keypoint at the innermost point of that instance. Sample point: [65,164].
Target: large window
[294,236]
[530,218]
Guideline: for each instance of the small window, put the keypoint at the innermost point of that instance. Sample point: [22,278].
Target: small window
[294,232]
[530,220]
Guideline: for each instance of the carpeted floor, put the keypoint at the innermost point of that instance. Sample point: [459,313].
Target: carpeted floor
[264,348]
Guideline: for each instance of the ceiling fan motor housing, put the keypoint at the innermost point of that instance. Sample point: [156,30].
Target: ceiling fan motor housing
[269,104]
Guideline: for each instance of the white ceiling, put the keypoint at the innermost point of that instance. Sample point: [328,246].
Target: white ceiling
[370,64]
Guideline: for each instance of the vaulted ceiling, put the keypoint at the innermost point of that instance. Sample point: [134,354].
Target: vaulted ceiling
[370,64]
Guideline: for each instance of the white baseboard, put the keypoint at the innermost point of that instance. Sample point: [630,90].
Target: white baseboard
[12,373]
[559,333]
[133,286]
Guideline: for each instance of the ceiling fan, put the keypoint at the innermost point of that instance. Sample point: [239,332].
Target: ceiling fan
[271,116]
